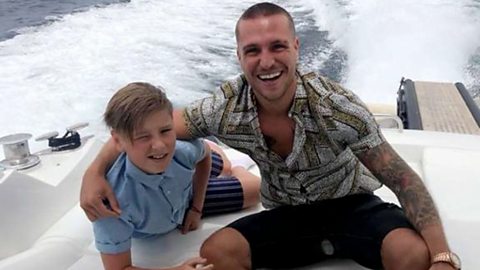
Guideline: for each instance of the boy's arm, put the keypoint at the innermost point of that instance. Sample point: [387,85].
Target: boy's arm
[123,261]
[200,182]
[119,261]
[95,188]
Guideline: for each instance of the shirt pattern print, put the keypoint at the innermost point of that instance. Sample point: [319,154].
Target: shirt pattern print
[331,126]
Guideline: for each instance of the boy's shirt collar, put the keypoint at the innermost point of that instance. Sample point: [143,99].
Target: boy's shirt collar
[150,180]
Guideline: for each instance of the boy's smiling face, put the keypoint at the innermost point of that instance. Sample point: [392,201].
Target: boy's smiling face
[152,145]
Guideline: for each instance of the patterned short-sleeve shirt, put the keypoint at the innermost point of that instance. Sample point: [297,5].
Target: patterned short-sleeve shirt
[331,126]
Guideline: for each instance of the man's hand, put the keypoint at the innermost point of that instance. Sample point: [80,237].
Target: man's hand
[441,266]
[195,264]
[192,221]
[97,198]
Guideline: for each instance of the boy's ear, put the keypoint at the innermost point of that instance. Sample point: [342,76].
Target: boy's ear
[117,140]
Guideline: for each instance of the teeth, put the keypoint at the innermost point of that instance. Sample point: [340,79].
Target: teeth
[158,157]
[269,76]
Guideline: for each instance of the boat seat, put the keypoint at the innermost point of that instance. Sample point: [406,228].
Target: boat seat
[41,195]
[174,248]
[444,172]
[455,194]
[58,248]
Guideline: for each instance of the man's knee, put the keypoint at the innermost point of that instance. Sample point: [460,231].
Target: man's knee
[215,246]
[227,247]
[405,249]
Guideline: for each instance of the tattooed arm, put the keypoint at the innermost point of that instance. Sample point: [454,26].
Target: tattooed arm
[412,194]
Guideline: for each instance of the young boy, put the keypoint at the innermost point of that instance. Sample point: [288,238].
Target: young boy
[161,183]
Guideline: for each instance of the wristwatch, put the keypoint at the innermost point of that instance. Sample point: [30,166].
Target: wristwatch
[448,257]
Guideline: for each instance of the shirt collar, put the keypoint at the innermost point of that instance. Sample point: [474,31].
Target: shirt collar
[150,180]
[299,106]
[300,101]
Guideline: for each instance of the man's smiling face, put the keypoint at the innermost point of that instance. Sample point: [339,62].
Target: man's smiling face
[267,50]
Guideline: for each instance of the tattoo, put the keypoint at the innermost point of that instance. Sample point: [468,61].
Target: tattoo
[395,173]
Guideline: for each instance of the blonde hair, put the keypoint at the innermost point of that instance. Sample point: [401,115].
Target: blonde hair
[132,104]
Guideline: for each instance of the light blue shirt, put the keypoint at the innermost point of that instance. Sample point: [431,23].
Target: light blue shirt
[151,204]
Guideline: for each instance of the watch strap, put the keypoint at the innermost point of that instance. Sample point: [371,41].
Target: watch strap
[447,257]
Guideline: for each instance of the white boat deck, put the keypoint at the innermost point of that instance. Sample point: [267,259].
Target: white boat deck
[36,237]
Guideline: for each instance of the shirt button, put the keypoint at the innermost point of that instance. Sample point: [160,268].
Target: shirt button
[168,192]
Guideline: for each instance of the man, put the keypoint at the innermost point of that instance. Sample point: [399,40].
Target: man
[312,140]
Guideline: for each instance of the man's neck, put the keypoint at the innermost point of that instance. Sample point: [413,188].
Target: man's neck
[278,108]
[273,109]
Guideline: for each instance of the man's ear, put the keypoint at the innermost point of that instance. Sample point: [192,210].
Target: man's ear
[297,44]
[117,140]
[238,54]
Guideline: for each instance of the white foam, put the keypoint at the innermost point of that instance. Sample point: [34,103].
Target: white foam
[385,40]
[55,75]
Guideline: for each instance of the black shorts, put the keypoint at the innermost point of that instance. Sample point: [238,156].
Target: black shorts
[350,227]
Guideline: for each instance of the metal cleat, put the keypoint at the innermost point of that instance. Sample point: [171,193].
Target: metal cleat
[17,152]
[77,126]
[70,140]
[46,136]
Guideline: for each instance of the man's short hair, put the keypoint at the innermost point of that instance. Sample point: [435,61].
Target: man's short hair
[263,10]
[132,104]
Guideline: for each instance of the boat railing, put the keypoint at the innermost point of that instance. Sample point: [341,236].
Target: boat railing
[389,121]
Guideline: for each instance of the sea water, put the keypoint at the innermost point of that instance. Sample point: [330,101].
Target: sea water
[61,62]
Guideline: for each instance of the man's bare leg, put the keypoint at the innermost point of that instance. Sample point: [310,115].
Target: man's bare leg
[227,249]
[405,249]
[250,185]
